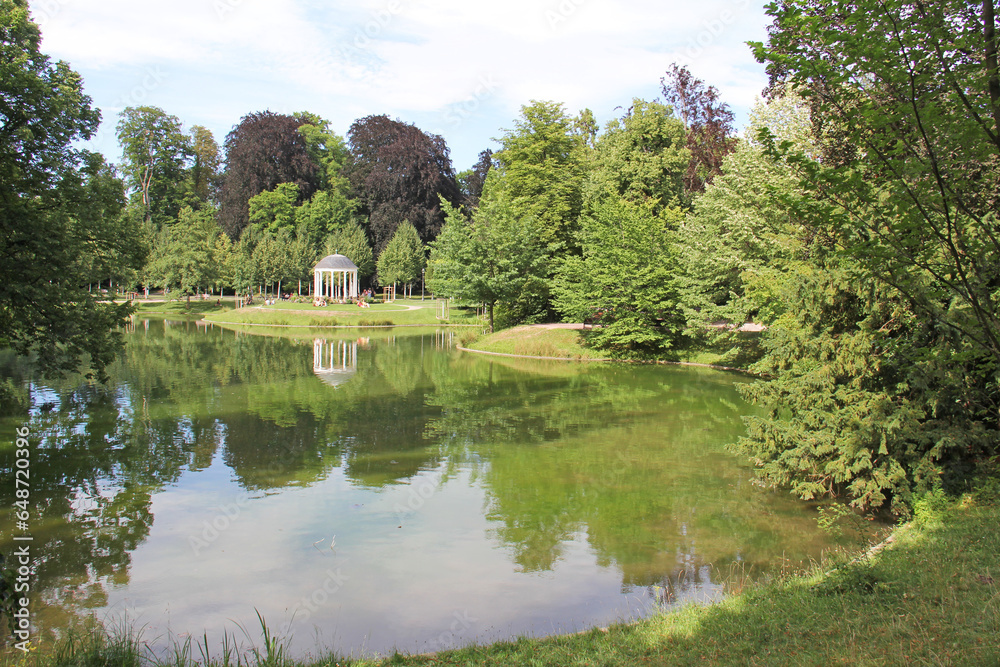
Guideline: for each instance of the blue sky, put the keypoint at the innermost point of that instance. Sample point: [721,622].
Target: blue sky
[459,69]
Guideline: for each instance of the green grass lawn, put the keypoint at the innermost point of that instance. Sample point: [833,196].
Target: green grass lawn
[181,307]
[403,312]
[537,342]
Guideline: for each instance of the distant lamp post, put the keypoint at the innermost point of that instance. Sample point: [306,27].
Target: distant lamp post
[422,284]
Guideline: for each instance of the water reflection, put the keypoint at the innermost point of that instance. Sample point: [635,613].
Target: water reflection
[335,362]
[532,496]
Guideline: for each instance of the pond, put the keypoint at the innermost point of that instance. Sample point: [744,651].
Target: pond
[377,489]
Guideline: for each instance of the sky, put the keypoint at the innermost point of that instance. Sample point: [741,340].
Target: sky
[461,69]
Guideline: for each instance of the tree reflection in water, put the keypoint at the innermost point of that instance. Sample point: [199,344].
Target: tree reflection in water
[628,460]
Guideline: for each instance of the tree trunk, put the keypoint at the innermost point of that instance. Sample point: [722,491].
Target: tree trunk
[489,307]
[992,73]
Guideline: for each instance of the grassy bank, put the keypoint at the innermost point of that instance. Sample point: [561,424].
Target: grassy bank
[931,596]
[561,343]
[182,307]
[398,313]
[537,342]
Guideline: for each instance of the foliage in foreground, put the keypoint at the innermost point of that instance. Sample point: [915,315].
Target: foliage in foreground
[882,365]
[61,222]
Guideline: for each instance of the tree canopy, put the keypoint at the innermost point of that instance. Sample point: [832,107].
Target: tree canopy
[264,150]
[485,258]
[539,171]
[155,153]
[883,366]
[403,258]
[709,124]
[399,173]
[61,227]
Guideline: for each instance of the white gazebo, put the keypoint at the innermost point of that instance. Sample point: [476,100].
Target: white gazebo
[336,278]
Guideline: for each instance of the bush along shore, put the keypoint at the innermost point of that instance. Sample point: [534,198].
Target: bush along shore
[929,594]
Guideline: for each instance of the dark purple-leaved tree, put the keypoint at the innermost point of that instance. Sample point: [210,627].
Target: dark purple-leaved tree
[709,124]
[471,181]
[265,149]
[397,172]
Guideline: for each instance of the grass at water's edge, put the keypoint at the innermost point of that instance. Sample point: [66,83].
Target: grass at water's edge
[559,343]
[931,596]
[533,341]
[400,313]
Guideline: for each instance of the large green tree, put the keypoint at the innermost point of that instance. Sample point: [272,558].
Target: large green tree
[61,227]
[486,258]
[539,172]
[205,174]
[908,112]
[632,207]
[403,258]
[184,258]
[883,370]
[327,212]
[641,158]
[274,209]
[352,242]
[738,247]
[626,277]
[155,154]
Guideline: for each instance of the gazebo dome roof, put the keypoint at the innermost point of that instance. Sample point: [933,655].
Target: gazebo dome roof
[336,262]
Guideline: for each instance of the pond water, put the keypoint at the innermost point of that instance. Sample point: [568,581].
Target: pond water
[377,490]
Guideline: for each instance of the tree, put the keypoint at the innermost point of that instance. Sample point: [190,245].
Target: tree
[244,270]
[910,127]
[278,256]
[351,242]
[61,226]
[472,181]
[403,258]
[184,259]
[883,367]
[399,173]
[743,241]
[265,149]
[585,125]
[327,212]
[632,208]
[626,277]
[205,168]
[487,258]
[642,158]
[272,210]
[155,152]
[327,149]
[709,124]
[539,172]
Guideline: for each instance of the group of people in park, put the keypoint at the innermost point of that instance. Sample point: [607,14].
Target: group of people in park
[364,298]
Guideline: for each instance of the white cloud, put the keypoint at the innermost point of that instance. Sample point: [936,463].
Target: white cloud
[408,58]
